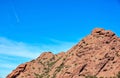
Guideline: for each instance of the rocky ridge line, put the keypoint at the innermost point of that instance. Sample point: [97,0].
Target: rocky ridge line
[98,54]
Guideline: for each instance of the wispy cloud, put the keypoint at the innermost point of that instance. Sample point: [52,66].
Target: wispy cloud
[16,16]
[58,46]
[14,11]
[13,53]
[13,48]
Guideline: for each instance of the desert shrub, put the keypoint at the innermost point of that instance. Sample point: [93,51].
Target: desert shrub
[118,75]
[33,67]
[60,67]
[38,76]
[90,76]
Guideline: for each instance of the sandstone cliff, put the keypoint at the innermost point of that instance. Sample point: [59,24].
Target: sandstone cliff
[98,55]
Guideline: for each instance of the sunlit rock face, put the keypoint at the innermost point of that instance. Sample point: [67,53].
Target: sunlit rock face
[98,55]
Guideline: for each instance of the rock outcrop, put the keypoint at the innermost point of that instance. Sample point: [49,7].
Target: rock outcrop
[98,55]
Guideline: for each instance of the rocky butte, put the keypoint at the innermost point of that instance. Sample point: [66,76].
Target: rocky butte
[97,55]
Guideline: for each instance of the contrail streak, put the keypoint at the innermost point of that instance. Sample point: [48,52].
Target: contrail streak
[15,13]
[16,16]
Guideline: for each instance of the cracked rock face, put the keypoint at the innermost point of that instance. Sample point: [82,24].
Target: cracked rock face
[98,54]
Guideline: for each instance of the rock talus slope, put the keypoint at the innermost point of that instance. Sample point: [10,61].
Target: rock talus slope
[98,54]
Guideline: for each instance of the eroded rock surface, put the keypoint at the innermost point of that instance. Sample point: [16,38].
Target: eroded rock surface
[97,54]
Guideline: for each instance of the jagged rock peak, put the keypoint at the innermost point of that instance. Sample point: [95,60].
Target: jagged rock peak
[98,54]
[101,31]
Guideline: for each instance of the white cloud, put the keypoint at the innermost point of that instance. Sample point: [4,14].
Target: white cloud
[11,49]
[8,66]
[58,46]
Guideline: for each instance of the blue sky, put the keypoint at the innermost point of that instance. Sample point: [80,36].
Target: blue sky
[29,27]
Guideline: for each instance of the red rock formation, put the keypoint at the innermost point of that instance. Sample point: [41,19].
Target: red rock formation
[19,69]
[98,54]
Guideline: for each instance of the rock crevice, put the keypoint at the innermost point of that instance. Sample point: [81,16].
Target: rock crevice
[98,54]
